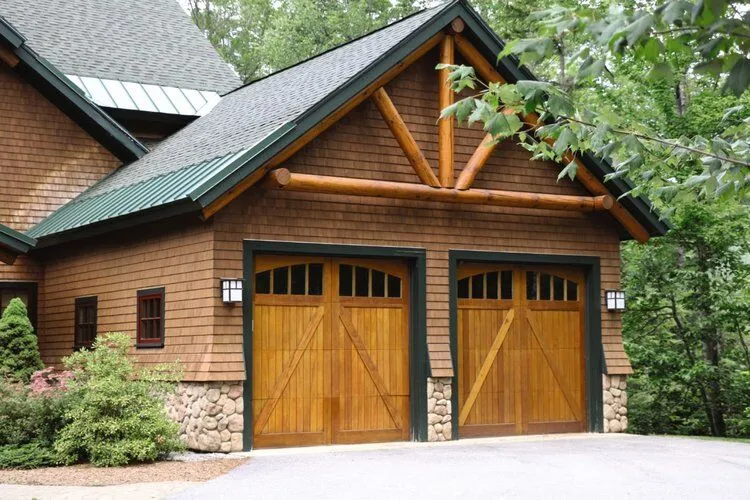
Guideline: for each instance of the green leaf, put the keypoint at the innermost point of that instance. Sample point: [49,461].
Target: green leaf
[638,28]
[569,170]
[560,104]
[567,139]
[739,77]
[661,71]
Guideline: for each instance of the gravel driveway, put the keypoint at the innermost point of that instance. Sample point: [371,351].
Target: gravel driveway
[572,466]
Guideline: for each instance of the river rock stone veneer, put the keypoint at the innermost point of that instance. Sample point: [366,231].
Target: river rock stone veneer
[210,415]
[439,411]
[615,400]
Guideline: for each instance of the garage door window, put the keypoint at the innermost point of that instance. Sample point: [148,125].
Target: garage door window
[490,285]
[543,286]
[359,281]
[298,279]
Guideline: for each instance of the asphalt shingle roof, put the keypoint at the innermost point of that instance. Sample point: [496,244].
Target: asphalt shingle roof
[241,120]
[144,41]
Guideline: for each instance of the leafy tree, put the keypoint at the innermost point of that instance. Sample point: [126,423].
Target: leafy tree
[687,324]
[19,352]
[676,39]
[261,36]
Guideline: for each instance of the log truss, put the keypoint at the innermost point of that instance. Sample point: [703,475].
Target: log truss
[444,187]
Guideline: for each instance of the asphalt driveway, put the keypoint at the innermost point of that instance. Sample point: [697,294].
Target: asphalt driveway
[574,466]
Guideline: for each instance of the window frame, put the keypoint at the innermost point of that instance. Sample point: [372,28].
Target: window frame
[142,295]
[80,302]
[32,288]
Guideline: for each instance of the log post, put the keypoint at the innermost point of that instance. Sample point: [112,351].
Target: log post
[445,125]
[488,72]
[404,138]
[476,162]
[283,179]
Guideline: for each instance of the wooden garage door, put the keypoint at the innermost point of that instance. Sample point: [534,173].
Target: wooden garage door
[330,351]
[520,348]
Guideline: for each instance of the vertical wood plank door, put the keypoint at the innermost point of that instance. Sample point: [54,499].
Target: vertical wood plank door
[330,351]
[521,365]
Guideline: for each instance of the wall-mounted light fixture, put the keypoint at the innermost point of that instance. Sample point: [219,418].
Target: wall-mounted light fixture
[231,290]
[615,300]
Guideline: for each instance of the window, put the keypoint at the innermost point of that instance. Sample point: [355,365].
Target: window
[298,279]
[25,291]
[85,322]
[150,318]
[491,285]
[358,281]
[543,286]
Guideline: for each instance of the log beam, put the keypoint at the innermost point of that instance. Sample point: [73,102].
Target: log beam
[445,125]
[487,71]
[284,179]
[8,57]
[404,138]
[476,162]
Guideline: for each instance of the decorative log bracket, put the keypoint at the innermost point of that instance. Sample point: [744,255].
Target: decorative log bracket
[441,187]
[282,178]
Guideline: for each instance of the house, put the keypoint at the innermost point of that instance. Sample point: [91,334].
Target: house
[328,261]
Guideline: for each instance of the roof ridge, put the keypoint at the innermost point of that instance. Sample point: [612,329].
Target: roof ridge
[440,6]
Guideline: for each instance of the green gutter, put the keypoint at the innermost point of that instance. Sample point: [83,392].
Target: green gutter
[17,243]
[61,92]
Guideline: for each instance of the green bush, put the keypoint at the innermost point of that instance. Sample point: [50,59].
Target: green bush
[26,456]
[27,418]
[117,414]
[19,352]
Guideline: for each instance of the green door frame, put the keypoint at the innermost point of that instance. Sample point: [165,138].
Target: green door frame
[418,361]
[592,333]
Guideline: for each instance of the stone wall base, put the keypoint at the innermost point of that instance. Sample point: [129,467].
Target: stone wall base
[210,415]
[615,400]
[439,411]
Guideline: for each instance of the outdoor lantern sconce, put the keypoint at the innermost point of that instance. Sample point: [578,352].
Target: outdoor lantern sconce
[615,300]
[231,290]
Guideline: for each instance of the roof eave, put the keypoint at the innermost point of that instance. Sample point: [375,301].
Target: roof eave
[13,244]
[183,206]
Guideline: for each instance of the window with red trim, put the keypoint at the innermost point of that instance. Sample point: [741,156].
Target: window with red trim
[150,318]
[85,323]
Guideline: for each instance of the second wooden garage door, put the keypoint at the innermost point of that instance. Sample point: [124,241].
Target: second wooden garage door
[330,351]
[520,350]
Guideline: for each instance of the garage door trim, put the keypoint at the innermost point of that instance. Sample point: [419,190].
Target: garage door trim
[593,325]
[419,364]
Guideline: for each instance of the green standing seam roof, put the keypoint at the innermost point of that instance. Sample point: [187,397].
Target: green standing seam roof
[156,191]
[15,241]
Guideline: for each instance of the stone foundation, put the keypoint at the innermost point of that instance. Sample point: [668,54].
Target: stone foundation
[210,415]
[615,400]
[439,411]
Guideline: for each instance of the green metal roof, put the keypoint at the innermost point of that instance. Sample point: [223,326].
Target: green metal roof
[157,191]
[15,242]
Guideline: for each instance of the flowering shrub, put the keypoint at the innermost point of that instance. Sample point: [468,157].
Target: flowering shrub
[49,381]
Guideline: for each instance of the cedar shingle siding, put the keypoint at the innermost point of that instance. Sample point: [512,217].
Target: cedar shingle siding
[362,146]
[189,258]
[46,158]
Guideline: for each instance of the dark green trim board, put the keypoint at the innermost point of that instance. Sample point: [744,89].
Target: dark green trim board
[418,363]
[14,241]
[52,84]
[593,327]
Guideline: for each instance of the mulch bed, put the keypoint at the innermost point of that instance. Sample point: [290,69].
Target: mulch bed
[88,475]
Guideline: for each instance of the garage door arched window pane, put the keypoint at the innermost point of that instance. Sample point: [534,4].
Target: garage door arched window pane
[297,279]
[491,285]
[548,287]
[360,281]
